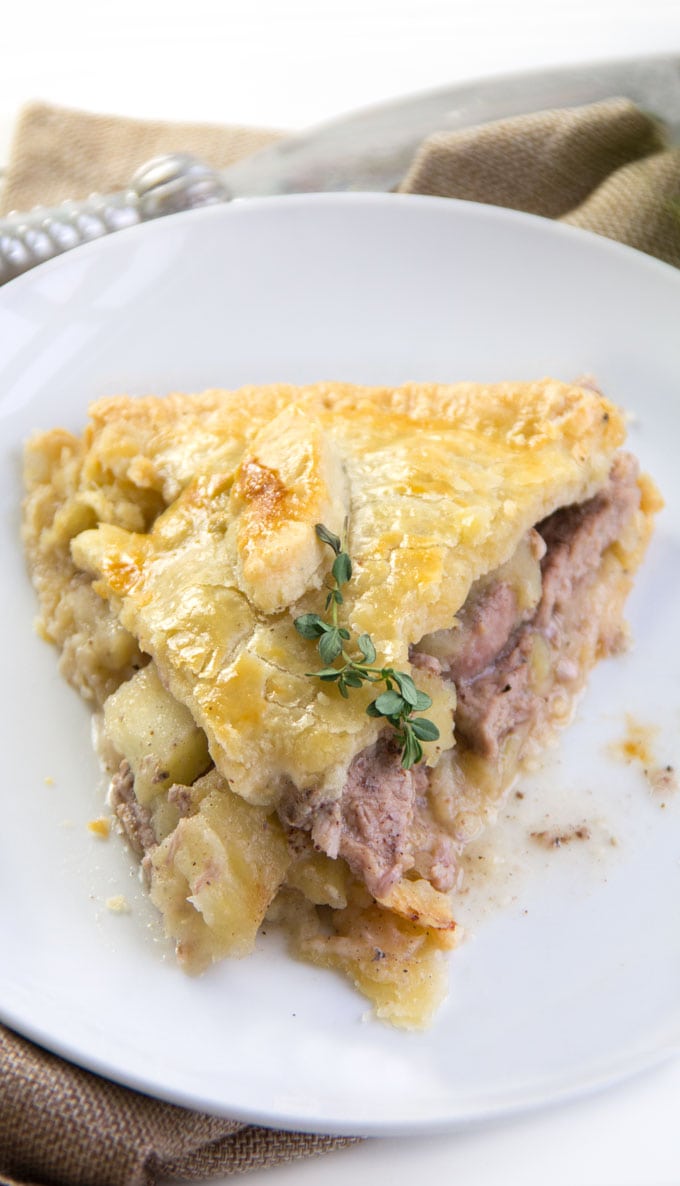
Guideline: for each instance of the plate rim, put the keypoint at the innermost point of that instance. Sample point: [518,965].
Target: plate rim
[461,207]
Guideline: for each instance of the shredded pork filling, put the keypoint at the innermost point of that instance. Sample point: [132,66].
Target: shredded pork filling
[506,661]
[506,692]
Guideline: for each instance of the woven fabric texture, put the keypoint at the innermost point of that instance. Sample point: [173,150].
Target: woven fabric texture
[58,153]
[63,1126]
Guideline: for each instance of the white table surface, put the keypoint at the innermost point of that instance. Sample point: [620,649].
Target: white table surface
[289,65]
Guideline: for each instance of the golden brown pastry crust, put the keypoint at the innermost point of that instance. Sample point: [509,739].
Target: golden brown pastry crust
[438,484]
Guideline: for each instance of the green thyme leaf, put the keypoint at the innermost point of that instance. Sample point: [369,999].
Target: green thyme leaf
[342,568]
[407,687]
[365,645]
[412,752]
[330,645]
[424,701]
[327,537]
[310,626]
[353,679]
[390,704]
[424,730]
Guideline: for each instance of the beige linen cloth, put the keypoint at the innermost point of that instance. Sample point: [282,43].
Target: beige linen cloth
[605,167]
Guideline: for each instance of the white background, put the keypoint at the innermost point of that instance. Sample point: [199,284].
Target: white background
[289,65]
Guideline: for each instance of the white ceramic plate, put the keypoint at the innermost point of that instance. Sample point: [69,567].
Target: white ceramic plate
[572,978]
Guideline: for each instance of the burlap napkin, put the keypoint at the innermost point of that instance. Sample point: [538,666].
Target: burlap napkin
[606,167]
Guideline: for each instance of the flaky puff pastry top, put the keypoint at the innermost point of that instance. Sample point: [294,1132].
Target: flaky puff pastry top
[430,487]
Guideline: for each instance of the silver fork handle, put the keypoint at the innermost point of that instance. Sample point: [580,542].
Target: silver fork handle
[367,150]
[164,185]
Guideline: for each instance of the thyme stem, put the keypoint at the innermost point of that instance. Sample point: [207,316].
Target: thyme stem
[401,700]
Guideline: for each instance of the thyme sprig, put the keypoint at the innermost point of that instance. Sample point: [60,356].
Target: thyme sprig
[401,698]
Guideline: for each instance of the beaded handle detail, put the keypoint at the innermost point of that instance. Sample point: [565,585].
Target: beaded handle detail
[164,185]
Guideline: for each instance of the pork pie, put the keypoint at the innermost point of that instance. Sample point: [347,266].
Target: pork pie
[493,531]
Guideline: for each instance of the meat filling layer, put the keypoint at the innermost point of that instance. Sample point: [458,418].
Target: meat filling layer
[511,690]
[527,633]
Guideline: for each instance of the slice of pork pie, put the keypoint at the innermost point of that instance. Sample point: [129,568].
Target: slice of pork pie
[493,531]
